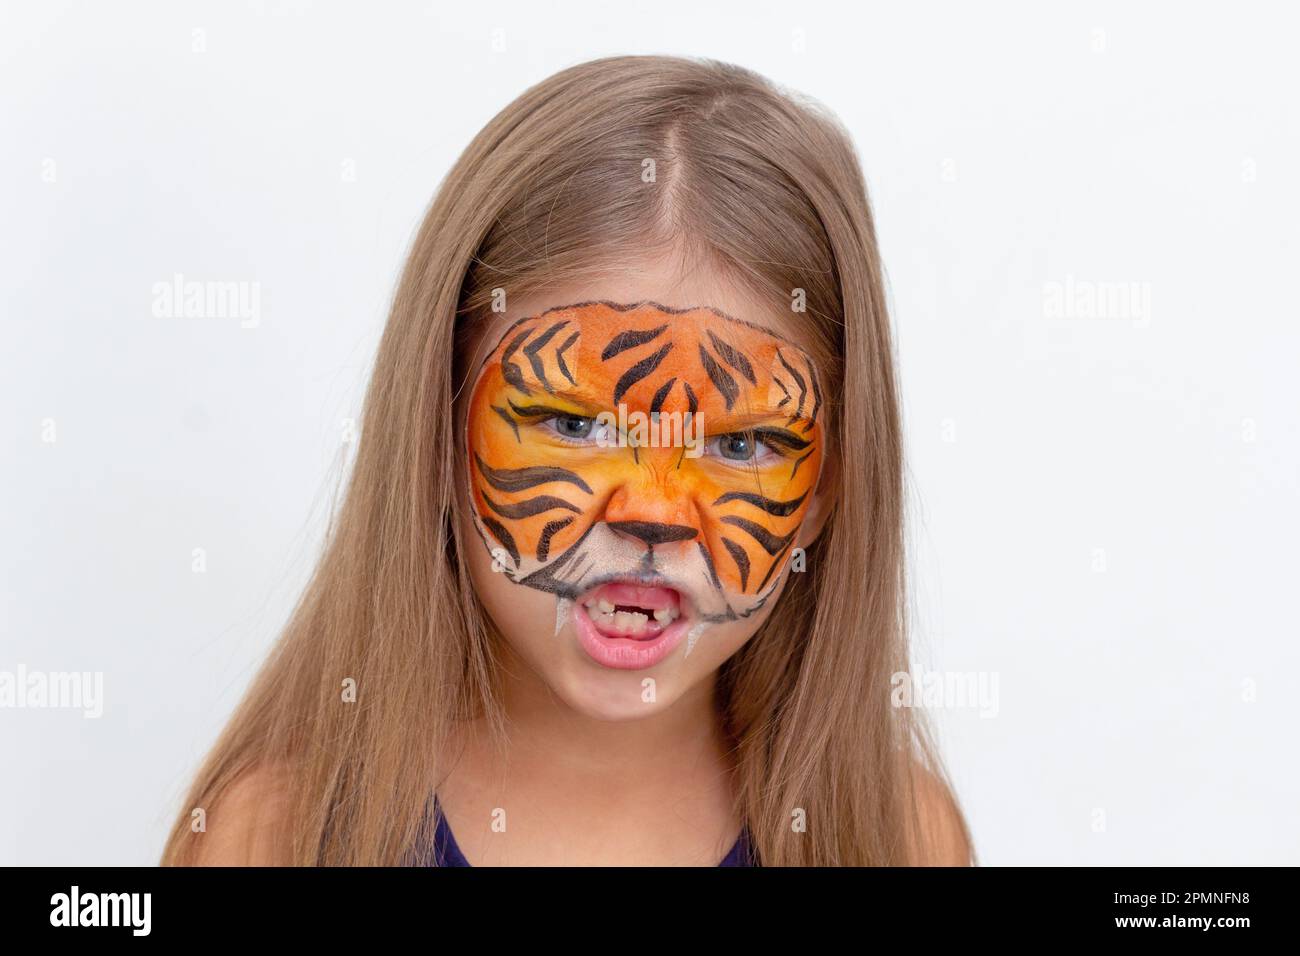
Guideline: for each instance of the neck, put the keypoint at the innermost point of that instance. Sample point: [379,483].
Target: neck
[550,746]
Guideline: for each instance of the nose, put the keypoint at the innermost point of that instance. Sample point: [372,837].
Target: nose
[652,513]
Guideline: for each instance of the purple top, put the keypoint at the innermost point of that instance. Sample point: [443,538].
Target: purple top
[447,853]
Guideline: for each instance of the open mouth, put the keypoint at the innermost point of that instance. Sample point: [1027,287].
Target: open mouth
[624,624]
[633,611]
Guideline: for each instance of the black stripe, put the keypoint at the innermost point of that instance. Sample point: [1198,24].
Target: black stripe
[530,507]
[509,369]
[505,417]
[559,357]
[544,544]
[797,463]
[817,400]
[515,377]
[521,479]
[773,436]
[708,562]
[546,577]
[537,411]
[721,378]
[509,332]
[502,535]
[567,559]
[629,340]
[798,380]
[654,532]
[742,561]
[657,402]
[514,344]
[692,406]
[733,358]
[782,509]
[770,543]
[773,566]
[535,346]
[639,371]
[781,384]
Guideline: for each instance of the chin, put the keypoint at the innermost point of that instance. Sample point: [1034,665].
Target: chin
[603,693]
[614,698]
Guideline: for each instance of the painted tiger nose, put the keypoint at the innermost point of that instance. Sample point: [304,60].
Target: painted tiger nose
[651,513]
[652,533]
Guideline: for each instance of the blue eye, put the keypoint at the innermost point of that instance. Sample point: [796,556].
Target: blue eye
[739,447]
[579,429]
[573,426]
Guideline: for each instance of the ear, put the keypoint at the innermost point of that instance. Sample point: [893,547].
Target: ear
[823,501]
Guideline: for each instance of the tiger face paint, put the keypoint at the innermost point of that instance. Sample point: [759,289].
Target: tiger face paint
[568,497]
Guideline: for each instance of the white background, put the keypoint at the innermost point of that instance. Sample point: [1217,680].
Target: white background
[1105,509]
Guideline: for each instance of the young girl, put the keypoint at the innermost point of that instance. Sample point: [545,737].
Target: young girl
[618,574]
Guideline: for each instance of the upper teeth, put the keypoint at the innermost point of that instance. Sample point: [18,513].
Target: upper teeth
[627,620]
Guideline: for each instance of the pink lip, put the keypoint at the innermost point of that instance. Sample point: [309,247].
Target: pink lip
[628,653]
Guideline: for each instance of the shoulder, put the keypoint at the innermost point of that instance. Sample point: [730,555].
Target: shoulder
[943,839]
[247,823]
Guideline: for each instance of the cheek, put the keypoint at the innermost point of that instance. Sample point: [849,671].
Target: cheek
[720,642]
[524,617]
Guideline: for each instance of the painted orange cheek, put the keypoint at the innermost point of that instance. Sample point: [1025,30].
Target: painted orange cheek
[537,495]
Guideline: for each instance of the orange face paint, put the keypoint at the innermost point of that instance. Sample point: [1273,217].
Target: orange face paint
[642,443]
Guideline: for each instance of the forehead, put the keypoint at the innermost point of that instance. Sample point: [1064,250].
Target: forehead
[625,325]
[653,358]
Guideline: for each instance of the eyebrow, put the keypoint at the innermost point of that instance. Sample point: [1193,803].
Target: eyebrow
[590,406]
[782,436]
[755,419]
[540,407]
[577,396]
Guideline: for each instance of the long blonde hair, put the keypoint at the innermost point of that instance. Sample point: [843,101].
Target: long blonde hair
[767,190]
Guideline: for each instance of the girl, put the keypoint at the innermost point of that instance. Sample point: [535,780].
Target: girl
[617,578]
